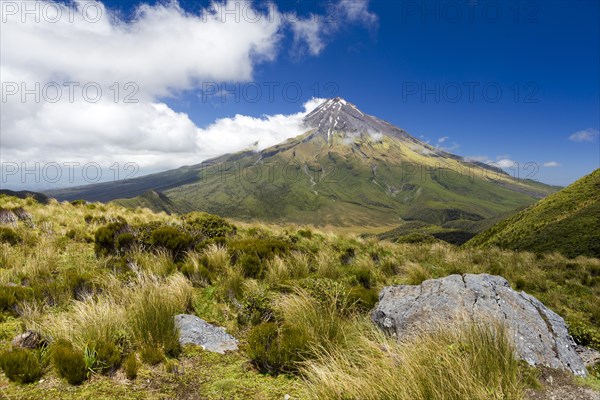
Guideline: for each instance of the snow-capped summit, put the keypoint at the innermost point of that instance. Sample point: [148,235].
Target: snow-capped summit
[339,115]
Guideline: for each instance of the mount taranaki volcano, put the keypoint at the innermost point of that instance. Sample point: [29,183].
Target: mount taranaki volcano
[347,169]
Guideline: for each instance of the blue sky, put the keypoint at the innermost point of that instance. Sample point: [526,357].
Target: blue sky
[499,81]
[543,55]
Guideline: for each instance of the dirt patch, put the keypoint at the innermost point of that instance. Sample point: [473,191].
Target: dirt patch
[560,385]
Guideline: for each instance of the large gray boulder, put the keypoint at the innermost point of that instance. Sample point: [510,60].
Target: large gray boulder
[540,335]
[194,330]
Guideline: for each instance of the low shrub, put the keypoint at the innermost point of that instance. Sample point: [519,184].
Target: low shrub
[108,357]
[20,365]
[306,326]
[105,242]
[172,240]
[274,350]
[584,334]
[256,305]
[11,296]
[152,355]
[8,235]
[251,254]
[363,298]
[210,226]
[131,366]
[69,362]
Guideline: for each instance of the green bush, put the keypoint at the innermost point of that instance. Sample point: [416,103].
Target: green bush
[152,355]
[173,240]
[8,235]
[124,242]
[251,265]
[79,202]
[105,238]
[273,350]
[11,296]
[364,277]
[211,226]
[131,366]
[108,357]
[584,334]
[69,362]
[20,365]
[256,307]
[78,283]
[250,254]
[364,299]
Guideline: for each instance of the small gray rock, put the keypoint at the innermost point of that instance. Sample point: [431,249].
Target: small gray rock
[540,335]
[28,340]
[194,330]
[7,217]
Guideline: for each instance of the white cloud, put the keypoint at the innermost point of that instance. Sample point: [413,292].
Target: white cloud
[164,51]
[357,11]
[586,135]
[227,135]
[310,32]
[503,161]
[551,164]
[315,30]
[442,139]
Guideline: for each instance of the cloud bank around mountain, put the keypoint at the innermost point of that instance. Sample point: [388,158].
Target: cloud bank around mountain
[60,102]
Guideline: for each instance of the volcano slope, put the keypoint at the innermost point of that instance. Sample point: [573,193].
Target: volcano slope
[348,169]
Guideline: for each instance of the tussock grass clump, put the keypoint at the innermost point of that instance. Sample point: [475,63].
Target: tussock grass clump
[69,362]
[473,361]
[93,320]
[307,325]
[20,365]
[131,367]
[152,314]
[107,357]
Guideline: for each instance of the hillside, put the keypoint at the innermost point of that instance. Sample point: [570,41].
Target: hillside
[101,284]
[567,222]
[348,169]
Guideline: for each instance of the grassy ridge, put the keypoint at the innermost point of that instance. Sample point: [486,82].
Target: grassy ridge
[566,222]
[300,291]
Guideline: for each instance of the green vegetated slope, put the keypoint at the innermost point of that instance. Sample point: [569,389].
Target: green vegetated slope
[101,284]
[348,169]
[364,183]
[567,222]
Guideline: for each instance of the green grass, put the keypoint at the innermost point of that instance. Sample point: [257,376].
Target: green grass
[566,222]
[460,362]
[312,290]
